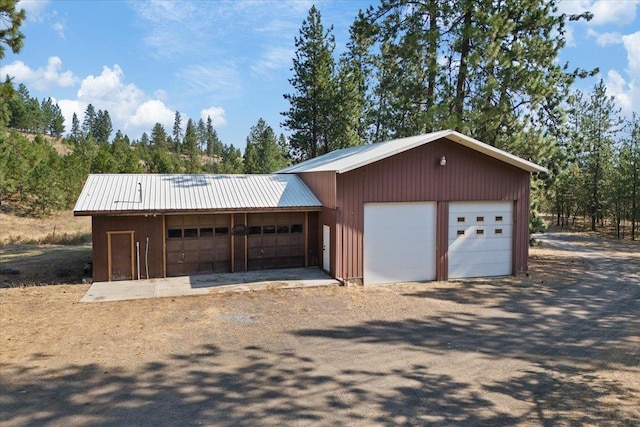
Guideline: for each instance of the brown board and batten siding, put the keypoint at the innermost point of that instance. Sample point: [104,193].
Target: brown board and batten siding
[416,175]
[323,185]
[142,227]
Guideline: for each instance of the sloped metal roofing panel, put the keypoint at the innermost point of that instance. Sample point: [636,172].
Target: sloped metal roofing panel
[347,159]
[140,193]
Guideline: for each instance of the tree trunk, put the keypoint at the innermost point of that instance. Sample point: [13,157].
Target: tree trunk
[465,48]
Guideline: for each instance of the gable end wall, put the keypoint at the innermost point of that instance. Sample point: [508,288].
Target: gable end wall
[415,176]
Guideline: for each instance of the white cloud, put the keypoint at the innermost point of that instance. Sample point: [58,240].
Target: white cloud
[274,58]
[151,112]
[219,81]
[632,44]
[130,109]
[59,28]
[627,90]
[618,12]
[160,94]
[620,89]
[605,39]
[569,38]
[216,114]
[70,106]
[34,9]
[40,78]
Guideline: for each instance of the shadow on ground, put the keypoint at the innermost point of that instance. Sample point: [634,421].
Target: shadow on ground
[578,339]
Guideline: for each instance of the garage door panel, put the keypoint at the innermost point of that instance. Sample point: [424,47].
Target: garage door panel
[482,257]
[480,239]
[399,242]
[480,270]
[480,245]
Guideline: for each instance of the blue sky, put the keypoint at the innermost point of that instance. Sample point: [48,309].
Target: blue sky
[231,60]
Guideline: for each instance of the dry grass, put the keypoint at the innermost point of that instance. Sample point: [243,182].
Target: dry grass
[59,228]
[44,251]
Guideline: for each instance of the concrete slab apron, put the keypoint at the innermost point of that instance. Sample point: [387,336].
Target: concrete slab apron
[208,283]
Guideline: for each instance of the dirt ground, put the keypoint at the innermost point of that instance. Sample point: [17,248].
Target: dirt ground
[559,347]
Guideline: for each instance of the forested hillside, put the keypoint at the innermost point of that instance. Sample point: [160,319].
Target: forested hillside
[36,178]
[489,70]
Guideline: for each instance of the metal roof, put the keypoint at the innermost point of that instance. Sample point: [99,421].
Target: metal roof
[156,193]
[347,159]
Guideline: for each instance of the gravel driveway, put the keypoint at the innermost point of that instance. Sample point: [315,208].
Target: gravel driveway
[559,347]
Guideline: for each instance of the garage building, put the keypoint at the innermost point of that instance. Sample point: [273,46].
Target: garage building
[154,226]
[437,206]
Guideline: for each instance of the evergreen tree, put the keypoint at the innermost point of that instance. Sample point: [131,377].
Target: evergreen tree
[88,123]
[76,133]
[231,162]
[177,132]
[488,69]
[11,18]
[7,94]
[201,133]
[190,148]
[124,158]
[313,100]
[159,137]
[214,146]
[101,127]
[601,125]
[263,154]
[56,126]
[144,140]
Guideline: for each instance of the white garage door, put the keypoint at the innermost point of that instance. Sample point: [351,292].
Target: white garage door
[399,242]
[480,239]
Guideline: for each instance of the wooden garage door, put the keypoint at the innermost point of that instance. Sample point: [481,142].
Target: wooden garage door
[198,244]
[480,239]
[399,242]
[275,240]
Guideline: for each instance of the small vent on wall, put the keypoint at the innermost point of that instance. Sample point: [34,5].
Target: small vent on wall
[460,219]
[498,217]
[480,232]
[460,232]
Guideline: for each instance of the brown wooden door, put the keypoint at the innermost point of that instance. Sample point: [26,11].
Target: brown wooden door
[120,253]
[275,240]
[198,244]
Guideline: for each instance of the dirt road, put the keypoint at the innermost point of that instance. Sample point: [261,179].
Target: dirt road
[560,347]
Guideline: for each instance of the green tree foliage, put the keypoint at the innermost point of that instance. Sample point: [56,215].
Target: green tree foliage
[177,132]
[230,162]
[190,148]
[88,122]
[312,102]
[214,146]
[263,154]
[488,69]
[101,126]
[11,19]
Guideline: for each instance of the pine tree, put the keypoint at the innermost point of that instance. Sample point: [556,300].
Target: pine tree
[177,132]
[190,148]
[263,154]
[214,146]
[600,127]
[313,101]
[102,127]
[88,122]
[201,133]
[231,162]
[11,19]
[488,69]
[76,133]
[159,137]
